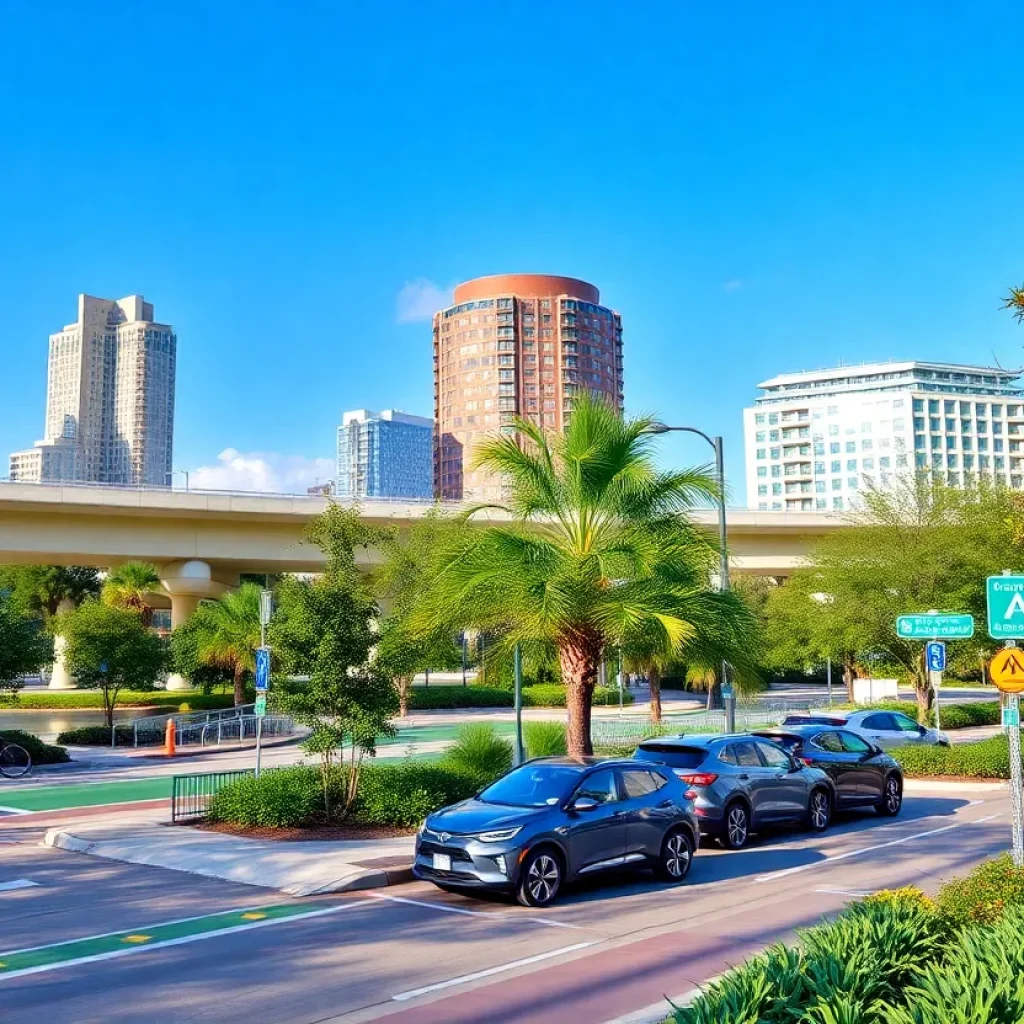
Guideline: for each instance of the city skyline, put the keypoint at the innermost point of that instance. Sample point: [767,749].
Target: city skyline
[743,222]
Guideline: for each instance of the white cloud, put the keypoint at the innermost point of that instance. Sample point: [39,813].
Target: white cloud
[420,300]
[261,471]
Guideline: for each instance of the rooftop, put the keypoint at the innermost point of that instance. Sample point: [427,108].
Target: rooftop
[895,367]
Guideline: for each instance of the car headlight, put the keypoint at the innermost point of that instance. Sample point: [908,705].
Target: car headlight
[502,835]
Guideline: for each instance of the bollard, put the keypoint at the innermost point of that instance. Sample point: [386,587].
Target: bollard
[169,738]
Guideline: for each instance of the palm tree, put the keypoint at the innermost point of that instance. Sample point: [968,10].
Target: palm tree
[1015,302]
[41,589]
[599,547]
[228,633]
[129,586]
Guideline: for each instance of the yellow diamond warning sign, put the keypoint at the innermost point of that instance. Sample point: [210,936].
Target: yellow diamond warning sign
[1007,670]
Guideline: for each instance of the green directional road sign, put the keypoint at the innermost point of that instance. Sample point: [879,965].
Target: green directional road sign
[261,705]
[935,627]
[1005,596]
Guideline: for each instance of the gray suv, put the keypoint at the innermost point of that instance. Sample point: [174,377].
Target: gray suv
[743,783]
[555,819]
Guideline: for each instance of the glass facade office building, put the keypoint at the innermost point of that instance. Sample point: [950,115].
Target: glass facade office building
[385,455]
[815,440]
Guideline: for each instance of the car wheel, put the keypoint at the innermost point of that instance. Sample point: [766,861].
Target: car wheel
[737,827]
[676,856]
[819,811]
[540,879]
[892,798]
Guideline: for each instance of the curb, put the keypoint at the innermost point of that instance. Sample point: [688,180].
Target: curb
[361,878]
[923,783]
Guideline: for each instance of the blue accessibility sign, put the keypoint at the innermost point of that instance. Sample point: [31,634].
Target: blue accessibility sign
[262,669]
[935,654]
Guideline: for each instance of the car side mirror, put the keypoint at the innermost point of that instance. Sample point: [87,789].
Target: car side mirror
[795,765]
[583,804]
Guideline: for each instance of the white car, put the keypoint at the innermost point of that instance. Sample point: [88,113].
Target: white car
[884,729]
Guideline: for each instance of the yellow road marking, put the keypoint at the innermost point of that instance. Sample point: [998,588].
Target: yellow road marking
[253,916]
[137,938]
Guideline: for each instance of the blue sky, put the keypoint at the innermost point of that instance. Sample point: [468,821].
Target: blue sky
[756,188]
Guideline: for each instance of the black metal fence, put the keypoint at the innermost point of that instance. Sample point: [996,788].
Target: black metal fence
[191,794]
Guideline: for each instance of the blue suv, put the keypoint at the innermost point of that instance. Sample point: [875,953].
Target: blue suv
[553,820]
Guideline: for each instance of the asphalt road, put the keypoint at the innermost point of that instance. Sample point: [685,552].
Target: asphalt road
[97,941]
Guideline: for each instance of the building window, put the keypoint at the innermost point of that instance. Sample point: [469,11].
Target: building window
[762,470]
[776,470]
[759,436]
[851,446]
[883,462]
[966,443]
[819,486]
[759,417]
[833,430]
[760,453]
[819,448]
[819,467]
[851,465]
[852,483]
[837,484]
[776,488]
[833,410]
[837,466]
[866,445]
[773,435]
[868,464]
[834,448]
[775,453]
[997,410]
[762,490]
[773,417]
[837,504]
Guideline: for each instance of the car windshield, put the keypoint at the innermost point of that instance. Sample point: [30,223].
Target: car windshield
[533,785]
[673,756]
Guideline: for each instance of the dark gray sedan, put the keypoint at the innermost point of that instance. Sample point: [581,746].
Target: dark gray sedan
[743,783]
[553,820]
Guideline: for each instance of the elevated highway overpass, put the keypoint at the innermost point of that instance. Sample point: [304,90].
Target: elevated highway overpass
[201,540]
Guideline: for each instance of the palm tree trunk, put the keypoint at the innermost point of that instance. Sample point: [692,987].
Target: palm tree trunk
[239,686]
[654,678]
[579,656]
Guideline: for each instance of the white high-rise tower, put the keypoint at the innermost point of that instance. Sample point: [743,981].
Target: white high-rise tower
[109,399]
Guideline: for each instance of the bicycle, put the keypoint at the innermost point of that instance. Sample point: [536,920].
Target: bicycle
[15,761]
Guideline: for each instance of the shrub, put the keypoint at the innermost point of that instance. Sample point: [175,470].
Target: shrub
[983,895]
[479,752]
[405,793]
[907,895]
[48,700]
[400,794]
[280,798]
[986,759]
[184,707]
[552,695]
[424,698]
[40,752]
[95,736]
[544,739]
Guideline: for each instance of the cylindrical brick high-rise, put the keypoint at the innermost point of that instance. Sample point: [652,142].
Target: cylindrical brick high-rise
[515,345]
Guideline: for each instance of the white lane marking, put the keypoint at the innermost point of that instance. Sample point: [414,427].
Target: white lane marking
[856,893]
[491,914]
[17,883]
[464,979]
[181,941]
[14,810]
[978,821]
[854,853]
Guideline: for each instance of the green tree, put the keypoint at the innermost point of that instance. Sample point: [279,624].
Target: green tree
[130,585]
[226,633]
[40,589]
[110,649]
[330,620]
[24,647]
[184,648]
[916,546]
[406,646]
[599,546]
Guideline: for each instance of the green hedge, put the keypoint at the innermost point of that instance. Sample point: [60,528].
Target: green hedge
[40,752]
[894,958]
[389,794]
[546,695]
[95,736]
[986,759]
[61,700]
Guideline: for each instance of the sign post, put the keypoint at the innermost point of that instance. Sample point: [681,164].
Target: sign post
[935,658]
[262,672]
[1007,672]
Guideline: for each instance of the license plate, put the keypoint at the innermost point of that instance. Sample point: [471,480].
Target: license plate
[442,862]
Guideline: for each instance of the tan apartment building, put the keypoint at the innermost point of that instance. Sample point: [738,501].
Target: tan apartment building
[109,399]
[515,345]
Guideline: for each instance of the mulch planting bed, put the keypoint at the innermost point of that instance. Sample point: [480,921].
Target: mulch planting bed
[331,832]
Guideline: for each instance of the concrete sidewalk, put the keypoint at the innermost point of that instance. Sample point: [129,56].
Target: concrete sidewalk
[299,868]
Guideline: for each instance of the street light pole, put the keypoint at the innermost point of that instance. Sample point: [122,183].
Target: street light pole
[723,572]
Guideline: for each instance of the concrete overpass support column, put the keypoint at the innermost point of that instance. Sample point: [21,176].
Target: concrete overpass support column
[187,583]
[61,679]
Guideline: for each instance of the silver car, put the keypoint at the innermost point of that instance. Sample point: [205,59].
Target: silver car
[884,729]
